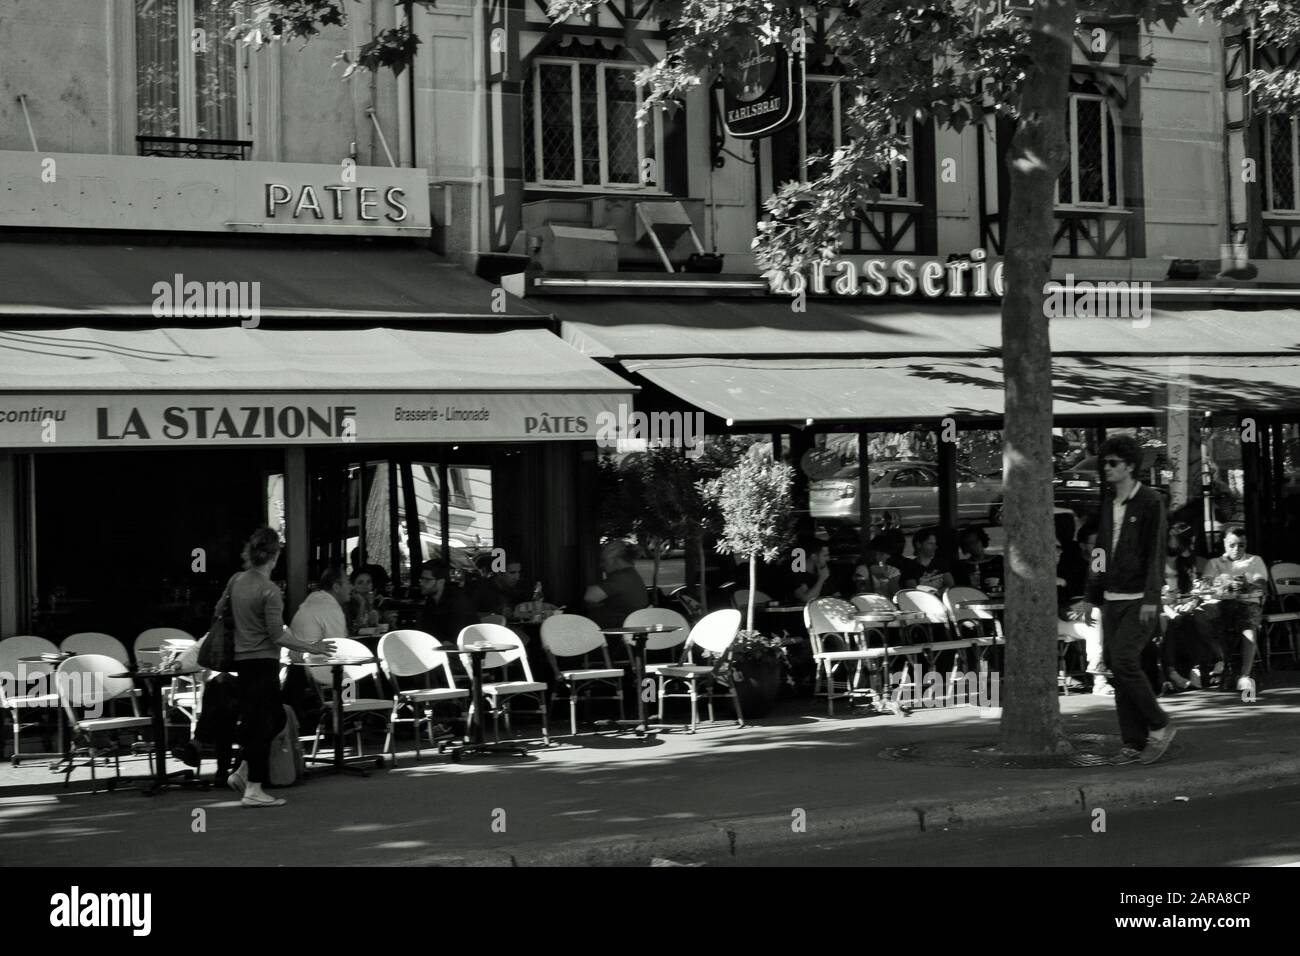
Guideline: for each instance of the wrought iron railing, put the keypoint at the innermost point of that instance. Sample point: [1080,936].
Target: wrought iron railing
[182,147]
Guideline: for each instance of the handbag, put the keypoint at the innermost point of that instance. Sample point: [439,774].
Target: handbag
[218,650]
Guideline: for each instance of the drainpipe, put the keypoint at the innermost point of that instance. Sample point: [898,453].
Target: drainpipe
[409,7]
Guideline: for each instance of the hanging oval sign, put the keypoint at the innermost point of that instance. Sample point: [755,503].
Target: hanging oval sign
[765,93]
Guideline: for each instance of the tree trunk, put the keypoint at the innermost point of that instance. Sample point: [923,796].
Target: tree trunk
[1031,719]
[657,548]
[753,584]
[704,587]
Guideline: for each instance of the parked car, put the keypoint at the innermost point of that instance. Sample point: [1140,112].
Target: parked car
[904,494]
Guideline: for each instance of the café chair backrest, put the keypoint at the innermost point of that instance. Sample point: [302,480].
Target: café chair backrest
[83,683]
[660,615]
[412,653]
[957,596]
[343,647]
[11,650]
[926,602]
[831,616]
[92,642]
[1285,578]
[715,632]
[156,637]
[741,599]
[571,635]
[873,604]
[494,634]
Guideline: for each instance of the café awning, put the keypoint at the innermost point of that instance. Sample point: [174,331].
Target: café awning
[183,386]
[930,388]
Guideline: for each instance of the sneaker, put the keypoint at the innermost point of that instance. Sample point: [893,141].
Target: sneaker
[1178,680]
[1126,755]
[1246,685]
[236,782]
[1194,679]
[263,801]
[1103,687]
[1158,742]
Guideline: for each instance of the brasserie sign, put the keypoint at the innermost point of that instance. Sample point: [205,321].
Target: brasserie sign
[88,191]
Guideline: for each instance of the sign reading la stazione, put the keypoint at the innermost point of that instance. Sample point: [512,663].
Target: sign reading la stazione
[89,191]
[129,420]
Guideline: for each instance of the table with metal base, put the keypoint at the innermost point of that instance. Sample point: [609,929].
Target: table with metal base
[475,742]
[339,762]
[638,637]
[152,678]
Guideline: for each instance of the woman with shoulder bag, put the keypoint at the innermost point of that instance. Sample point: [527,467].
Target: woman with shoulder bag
[258,612]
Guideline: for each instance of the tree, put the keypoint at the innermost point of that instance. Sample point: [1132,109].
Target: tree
[946,61]
[753,500]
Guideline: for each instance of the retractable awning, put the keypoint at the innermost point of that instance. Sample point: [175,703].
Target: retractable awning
[174,386]
[847,390]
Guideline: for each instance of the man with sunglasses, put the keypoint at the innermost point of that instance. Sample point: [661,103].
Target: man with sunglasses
[1127,584]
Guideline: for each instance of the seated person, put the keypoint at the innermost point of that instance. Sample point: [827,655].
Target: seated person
[446,610]
[621,590]
[369,584]
[978,570]
[926,569]
[498,592]
[805,586]
[883,578]
[1187,640]
[1243,580]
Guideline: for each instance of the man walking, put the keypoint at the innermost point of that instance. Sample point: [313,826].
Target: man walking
[1128,585]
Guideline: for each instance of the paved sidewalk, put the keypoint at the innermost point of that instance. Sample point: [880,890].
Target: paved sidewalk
[725,791]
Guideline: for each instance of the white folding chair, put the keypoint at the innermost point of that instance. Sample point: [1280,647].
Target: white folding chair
[411,654]
[92,642]
[500,694]
[969,622]
[1284,579]
[827,616]
[356,709]
[85,688]
[32,689]
[659,642]
[714,634]
[575,636]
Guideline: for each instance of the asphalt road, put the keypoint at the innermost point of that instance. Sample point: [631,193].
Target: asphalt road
[1261,828]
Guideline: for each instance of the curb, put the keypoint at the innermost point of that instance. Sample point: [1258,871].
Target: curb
[732,837]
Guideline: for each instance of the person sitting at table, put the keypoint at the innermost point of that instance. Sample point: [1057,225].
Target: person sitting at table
[498,592]
[1185,622]
[978,570]
[621,590]
[369,584]
[1244,580]
[926,569]
[881,576]
[813,579]
[321,616]
[447,609]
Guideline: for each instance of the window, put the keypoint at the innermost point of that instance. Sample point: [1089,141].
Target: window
[187,76]
[581,129]
[1282,157]
[1090,178]
[823,130]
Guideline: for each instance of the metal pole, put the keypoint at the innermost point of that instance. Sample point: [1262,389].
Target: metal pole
[22,99]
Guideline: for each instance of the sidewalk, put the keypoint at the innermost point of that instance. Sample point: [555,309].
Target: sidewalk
[608,800]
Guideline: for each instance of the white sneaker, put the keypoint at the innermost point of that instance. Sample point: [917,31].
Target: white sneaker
[1246,685]
[1194,680]
[1102,687]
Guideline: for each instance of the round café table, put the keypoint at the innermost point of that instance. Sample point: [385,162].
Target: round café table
[475,742]
[339,763]
[637,635]
[64,753]
[152,678]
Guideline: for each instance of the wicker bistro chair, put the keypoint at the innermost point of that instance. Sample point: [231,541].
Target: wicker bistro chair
[569,636]
[500,695]
[832,616]
[714,634]
[414,654]
[15,698]
[1284,579]
[929,612]
[971,623]
[85,687]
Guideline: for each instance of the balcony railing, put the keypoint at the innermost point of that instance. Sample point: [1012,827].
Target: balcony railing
[1080,233]
[181,147]
[887,227]
[1281,238]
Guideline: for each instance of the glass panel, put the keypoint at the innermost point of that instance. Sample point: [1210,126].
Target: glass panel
[1112,191]
[620,127]
[557,121]
[469,507]
[900,169]
[216,107]
[819,124]
[157,69]
[530,150]
[1065,187]
[1091,187]
[1281,162]
[590,106]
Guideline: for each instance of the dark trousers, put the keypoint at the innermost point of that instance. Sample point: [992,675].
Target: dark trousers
[219,719]
[1124,638]
[1188,644]
[261,714]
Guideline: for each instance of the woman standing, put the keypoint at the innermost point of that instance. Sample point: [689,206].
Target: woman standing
[258,610]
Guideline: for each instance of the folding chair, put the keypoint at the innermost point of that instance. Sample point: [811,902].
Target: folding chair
[412,654]
[1284,579]
[355,710]
[500,694]
[575,636]
[714,634]
[84,685]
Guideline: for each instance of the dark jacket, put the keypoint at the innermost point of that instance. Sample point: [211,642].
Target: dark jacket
[1138,564]
[445,619]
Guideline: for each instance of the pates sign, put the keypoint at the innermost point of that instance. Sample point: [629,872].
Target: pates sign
[765,93]
[339,203]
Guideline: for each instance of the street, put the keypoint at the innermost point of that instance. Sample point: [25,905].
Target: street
[1260,828]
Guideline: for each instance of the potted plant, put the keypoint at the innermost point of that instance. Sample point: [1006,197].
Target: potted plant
[752,499]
